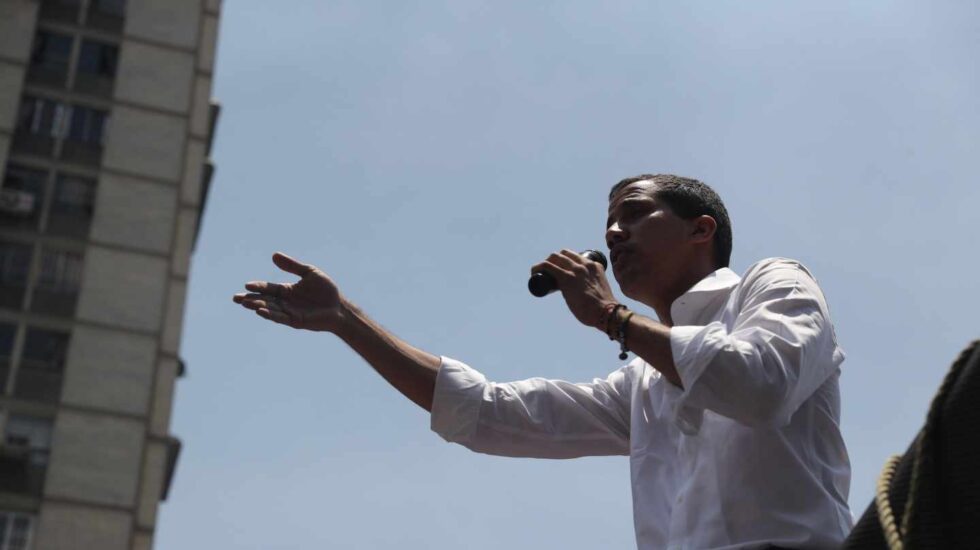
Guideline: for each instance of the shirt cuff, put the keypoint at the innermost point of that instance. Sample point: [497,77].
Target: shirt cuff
[457,400]
[693,348]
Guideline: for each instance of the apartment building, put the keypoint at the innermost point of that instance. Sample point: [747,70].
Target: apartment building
[106,123]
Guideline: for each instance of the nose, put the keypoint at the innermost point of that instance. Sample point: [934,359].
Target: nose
[615,234]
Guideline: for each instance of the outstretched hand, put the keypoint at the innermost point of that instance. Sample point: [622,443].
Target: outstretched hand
[312,303]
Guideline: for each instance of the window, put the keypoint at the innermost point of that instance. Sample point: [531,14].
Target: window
[98,58]
[15,531]
[53,119]
[7,334]
[40,121]
[72,206]
[42,365]
[107,14]
[41,116]
[56,287]
[24,455]
[15,262]
[83,142]
[49,58]
[86,125]
[97,63]
[22,197]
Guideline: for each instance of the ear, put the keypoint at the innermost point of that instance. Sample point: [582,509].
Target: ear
[703,229]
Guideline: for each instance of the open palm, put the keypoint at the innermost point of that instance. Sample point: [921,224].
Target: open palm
[312,303]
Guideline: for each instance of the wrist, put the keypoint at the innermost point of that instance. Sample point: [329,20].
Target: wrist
[345,318]
[606,315]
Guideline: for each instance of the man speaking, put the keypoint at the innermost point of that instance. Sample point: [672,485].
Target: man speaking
[730,412]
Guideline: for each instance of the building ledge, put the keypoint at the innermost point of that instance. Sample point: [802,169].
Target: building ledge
[173,453]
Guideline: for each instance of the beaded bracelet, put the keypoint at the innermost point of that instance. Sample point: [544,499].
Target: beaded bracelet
[608,314]
[621,336]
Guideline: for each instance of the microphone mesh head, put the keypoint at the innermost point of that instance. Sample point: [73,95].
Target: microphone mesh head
[597,257]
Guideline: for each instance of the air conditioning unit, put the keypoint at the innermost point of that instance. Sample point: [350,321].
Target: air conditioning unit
[16,202]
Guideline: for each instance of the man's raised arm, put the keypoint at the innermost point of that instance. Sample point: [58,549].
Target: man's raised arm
[315,303]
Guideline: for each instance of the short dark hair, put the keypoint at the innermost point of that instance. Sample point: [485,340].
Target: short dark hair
[690,198]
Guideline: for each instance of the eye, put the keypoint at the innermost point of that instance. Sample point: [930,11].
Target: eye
[632,213]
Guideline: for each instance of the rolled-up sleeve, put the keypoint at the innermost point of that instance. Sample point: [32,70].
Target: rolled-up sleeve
[532,418]
[759,366]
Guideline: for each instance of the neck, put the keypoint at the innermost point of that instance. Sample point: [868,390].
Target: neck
[661,301]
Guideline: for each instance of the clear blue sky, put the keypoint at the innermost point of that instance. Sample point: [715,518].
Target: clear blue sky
[425,154]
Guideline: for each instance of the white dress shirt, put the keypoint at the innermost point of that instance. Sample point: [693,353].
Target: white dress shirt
[748,454]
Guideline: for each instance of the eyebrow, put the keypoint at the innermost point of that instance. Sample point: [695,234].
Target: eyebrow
[631,202]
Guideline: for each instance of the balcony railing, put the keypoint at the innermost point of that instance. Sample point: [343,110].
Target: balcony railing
[103,20]
[33,144]
[61,11]
[22,470]
[35,384]
[48,74]
[93,84]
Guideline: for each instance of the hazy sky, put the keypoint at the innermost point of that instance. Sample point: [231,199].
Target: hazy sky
[426,154]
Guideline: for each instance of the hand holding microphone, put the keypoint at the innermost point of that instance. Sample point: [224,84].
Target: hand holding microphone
[581,280]
[543,283]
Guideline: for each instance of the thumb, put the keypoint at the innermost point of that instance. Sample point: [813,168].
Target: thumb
[291,265]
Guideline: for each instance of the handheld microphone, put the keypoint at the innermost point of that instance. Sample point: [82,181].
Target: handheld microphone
[541,284]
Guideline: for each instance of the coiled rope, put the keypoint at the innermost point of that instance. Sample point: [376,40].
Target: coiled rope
[896,536]
[885,516]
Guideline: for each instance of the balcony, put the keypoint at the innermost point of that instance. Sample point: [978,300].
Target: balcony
[52,75]
[22,470]
[38,384]
[92,84]
[29,143]
[60,11]
[106,15]
[81,152]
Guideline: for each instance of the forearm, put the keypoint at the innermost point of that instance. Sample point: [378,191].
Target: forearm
[410,370]
[650,340]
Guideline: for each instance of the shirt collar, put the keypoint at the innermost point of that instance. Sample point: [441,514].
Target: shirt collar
[687,307]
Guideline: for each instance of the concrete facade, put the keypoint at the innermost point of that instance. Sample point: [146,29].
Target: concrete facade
[138,214]
[105,166]
[122,289]
[11,78]
[155,76]
[144,142]
[96,458]
[17,22]
[68,527]
[110,370]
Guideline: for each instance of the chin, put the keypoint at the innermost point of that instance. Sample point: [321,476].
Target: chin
[626,288]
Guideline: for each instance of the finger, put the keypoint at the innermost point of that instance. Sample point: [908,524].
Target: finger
[253,303]
[258,303]
[275,316]
[265,287]
[291,265]
[563,261]
[591,265]
[575,257]
[243,296]
[560,274]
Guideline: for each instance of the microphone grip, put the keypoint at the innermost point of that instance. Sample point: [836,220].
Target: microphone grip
[542,284]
